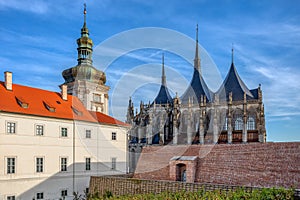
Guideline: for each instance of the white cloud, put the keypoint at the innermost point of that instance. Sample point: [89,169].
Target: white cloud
[35,6]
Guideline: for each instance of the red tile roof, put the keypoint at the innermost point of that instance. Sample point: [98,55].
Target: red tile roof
[105,119]
[38,102]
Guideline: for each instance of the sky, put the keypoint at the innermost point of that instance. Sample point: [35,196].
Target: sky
[38,39]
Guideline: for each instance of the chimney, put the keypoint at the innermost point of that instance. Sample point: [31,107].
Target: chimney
[8,80]
[64,93]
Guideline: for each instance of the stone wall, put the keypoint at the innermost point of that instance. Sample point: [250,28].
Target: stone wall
[254,164]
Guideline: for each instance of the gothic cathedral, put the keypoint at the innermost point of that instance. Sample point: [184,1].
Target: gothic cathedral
[232,114]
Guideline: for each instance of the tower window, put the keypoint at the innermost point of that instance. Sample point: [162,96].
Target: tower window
[97,97]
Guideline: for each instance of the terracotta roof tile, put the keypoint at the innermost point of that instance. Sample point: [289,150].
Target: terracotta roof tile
[48,104]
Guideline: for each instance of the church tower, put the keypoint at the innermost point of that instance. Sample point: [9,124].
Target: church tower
[84,80]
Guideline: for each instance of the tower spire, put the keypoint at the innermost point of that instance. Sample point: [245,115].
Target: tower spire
[84,29]
[85,44]
[197,59]
[163,76]
[232,54]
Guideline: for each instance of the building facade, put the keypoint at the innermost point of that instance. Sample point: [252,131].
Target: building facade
[232,114]
[50,142]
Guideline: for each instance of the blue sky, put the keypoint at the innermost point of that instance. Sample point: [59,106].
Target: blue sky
[38,39]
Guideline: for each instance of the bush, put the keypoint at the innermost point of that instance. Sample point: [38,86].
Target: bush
[238,194]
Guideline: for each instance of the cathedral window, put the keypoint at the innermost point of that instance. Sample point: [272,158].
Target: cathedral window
[238,121]
[225,125]
[251,123]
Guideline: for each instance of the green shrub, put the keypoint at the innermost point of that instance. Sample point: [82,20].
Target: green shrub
[238,194]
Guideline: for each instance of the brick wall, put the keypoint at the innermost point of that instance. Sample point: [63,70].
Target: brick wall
[123,186]
[253,164]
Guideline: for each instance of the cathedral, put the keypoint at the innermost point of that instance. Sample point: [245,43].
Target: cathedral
[232,114]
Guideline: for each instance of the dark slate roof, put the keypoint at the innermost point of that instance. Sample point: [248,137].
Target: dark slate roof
[233,83]
[196,88]
[163,96]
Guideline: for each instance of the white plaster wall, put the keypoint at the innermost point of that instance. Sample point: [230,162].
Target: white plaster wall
[26,146]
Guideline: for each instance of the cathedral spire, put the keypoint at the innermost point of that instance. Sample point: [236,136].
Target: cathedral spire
[163,76]
[232,54]
[197,59]
[85,44]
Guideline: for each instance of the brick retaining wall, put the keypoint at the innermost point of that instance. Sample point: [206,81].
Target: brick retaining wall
[253,164]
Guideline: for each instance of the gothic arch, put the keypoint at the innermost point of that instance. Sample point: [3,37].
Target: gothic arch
[237,122]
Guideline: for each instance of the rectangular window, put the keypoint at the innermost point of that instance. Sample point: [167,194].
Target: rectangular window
[97,97]
[64,193]
[113,136]
[11,165]
[63,164]
[87,190]
[39,130]
[11,127]
[39,165]
[64,132]
[87,163]
[40,195]
[113,163]
[11,197]
[88,133]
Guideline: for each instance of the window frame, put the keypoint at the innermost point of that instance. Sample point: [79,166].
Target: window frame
[114,163]
[61,132]
[36,129]
[10,197]
[88,162]
[63,167]
[251,123]
[88,135]
[39,167]
[39,193]
[11,169]
[114,136]
[9,127]
[62,193]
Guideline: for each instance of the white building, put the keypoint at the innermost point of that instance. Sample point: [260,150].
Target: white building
[51,143]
